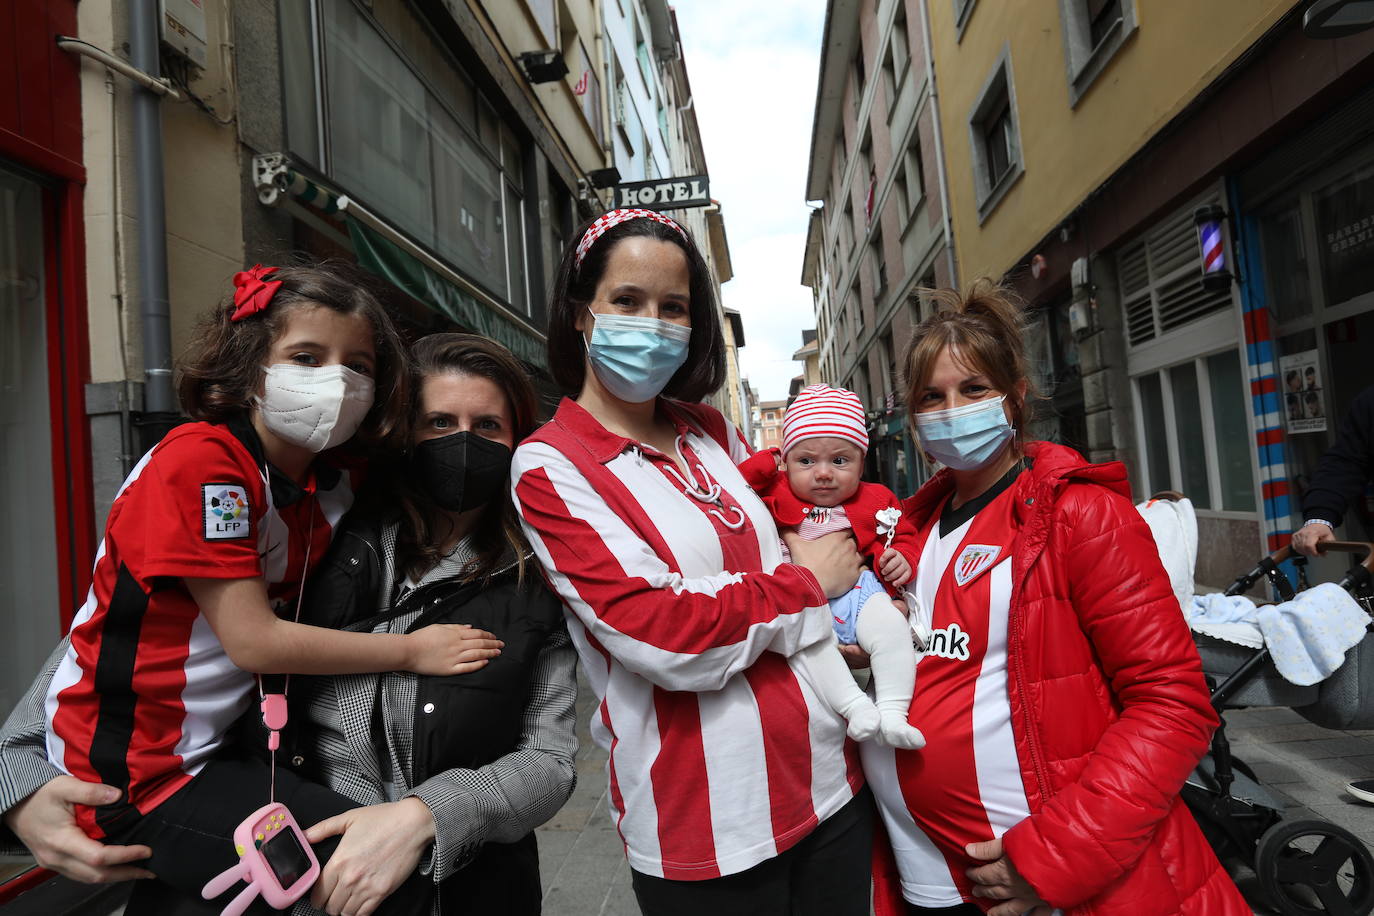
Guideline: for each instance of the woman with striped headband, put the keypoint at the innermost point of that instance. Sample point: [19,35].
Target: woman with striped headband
[731,782]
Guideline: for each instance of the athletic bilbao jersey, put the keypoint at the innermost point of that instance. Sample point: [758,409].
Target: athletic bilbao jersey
[965,785]
[145,692]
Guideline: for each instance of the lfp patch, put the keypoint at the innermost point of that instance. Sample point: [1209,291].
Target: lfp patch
[973,561]
[226,511]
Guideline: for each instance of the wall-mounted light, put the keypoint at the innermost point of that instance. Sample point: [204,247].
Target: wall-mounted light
[543,66]
[604,178]
[1337,18]
[1212,244]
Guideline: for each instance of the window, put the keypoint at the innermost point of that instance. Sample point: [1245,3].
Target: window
[545,15]
[962,11]
[646,67]
[860,77]
[994,138]
[896,59]
[1094,30]
[1192,423]
[1160,275]
[875,254]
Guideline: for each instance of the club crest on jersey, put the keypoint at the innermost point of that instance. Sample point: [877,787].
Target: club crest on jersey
[226,511]
[974,559]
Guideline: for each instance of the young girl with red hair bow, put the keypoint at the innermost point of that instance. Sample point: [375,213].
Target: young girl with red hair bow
[206,549]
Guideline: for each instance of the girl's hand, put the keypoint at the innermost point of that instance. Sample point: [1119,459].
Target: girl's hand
[381,847]
[451,648]
[833,560]
[999,880]
[895,567]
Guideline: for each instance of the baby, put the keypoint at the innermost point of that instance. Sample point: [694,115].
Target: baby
[813,486]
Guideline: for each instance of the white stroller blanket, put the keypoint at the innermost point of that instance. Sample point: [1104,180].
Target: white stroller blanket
[1307,637]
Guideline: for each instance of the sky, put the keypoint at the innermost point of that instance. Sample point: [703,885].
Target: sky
[753,67]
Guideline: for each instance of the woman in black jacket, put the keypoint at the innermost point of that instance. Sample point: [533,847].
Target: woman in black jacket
[456,771]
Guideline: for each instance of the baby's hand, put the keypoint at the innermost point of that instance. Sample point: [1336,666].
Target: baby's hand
[895,568]
[451,648]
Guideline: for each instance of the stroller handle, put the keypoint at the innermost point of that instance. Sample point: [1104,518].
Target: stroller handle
[1363,547]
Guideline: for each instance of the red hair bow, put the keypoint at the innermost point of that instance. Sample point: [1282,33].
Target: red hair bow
[252,293]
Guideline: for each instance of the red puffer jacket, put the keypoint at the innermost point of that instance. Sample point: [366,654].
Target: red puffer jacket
[1109,708]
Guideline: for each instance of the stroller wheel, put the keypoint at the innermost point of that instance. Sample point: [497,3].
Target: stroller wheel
[1315,868]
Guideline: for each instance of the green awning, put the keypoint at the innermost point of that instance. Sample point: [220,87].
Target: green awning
[412,276]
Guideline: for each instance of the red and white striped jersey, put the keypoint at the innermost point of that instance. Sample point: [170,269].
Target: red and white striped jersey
[721,754]
[965,785]
[145,692]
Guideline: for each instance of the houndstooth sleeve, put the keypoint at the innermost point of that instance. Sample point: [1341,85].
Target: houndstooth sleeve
[506,799]
[24,766]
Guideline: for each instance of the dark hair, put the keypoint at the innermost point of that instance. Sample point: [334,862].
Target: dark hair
[497,533]
[575,288]
[221,370]
[986,325]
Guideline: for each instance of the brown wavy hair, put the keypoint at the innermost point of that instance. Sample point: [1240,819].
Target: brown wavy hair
[220,372]
[496,536]
[986,324]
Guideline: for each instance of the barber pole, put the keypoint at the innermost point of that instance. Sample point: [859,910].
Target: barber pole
[1212,243]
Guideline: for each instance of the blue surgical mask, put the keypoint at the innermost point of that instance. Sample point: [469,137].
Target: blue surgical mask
[635,356]
[965,438]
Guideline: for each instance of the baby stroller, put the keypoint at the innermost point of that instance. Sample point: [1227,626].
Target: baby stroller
[1304,867]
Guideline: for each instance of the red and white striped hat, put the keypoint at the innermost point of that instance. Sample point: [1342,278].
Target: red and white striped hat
[824,411]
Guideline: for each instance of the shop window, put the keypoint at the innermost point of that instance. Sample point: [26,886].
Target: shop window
[1344,213]
[1194,434]
[1094,30]
[995,138]
[1160,276]
[28,529]
[443,166]
[1286,266]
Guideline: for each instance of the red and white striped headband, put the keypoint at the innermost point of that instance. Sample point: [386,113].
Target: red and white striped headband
[615,218]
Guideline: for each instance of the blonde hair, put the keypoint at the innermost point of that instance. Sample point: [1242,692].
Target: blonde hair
[986,325]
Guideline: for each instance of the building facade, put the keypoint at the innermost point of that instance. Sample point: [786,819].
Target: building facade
[1100,153]
[449,148]
[880,233]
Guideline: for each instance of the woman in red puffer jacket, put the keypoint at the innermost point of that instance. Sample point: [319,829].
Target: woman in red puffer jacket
[1060,691]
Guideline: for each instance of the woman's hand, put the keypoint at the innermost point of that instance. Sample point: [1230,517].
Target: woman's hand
[45,822]
[381,847]
[895,567]
[999,880]
[833,560]
[451,648]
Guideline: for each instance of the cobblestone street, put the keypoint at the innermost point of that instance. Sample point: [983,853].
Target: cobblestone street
[583,863]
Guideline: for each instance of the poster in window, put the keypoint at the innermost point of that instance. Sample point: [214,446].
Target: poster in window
[1300,384]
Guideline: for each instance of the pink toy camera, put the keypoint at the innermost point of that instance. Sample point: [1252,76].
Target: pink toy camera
[274,858]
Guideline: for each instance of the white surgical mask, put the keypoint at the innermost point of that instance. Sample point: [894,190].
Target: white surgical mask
[314,407]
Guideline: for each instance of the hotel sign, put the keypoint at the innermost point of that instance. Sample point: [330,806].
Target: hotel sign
[665,193]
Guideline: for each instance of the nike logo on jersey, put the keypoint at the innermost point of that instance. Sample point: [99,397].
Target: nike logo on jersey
[973,560]
[949,642]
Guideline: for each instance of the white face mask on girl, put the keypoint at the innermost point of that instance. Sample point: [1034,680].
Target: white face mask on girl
[314,407]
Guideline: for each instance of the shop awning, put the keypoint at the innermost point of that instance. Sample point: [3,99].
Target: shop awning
[383,250]
[418,280]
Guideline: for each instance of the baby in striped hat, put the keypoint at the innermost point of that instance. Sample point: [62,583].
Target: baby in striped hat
[813,485]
